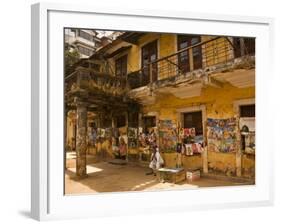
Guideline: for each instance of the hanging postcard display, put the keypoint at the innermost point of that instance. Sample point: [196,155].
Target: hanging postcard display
[167,135]
[191,143]
[249,137]
[221,135]
[101,132]
[108,133]
[132,137]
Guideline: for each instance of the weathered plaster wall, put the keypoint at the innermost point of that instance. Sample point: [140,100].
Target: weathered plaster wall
[219,104]
[248,165]
[188,162]
[166,46]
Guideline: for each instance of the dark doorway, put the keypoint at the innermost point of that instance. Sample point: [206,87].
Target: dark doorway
[193,120]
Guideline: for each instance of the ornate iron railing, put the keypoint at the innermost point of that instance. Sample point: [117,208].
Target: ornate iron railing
[217,50]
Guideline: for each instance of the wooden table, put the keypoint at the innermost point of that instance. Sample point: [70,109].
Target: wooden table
[171,175]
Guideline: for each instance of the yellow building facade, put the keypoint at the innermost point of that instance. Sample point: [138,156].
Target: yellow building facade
[211,75]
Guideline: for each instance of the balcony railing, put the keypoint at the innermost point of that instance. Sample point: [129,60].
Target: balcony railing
[201,56]
[217,50]
[90,80]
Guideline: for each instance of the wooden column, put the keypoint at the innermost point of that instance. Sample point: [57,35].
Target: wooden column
[205,152]
[127,126]
[65,134]
[81,140]
[140,124]
[239,163]
[190,55]
[205,160]
[238,151]
[243,49]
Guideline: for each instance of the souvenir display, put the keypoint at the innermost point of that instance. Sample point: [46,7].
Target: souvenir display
[132,143]
[142,139]
[179,148]
[132,137]
[250,145]
[199,139]
[115,132]
[132,132]
[108,132]
[188,150]
[124,137]
[249,137]
[221,135]
[197,148]
[101,132]
[148,139]
[167,135]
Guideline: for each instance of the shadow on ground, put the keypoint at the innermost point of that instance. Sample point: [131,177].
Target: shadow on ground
[106,177]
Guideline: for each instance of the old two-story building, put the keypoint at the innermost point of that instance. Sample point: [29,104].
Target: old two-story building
[196,93]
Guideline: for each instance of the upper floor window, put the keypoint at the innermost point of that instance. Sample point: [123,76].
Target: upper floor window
[185,41]
[121,66]
[149,55]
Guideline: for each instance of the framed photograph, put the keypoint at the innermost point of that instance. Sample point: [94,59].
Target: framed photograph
[148,111]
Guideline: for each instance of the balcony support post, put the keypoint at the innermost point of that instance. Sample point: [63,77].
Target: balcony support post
[81,139]
[190,56]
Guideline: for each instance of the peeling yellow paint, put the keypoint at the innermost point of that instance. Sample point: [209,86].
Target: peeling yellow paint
[219,104]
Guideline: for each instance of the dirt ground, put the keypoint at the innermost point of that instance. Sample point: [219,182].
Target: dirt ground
[106,177]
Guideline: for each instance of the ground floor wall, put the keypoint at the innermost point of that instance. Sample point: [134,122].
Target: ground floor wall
[216,103]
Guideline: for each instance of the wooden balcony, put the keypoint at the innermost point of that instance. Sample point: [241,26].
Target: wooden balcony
[186,72]
[194,62]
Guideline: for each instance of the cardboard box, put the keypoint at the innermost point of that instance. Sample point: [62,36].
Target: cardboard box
[192,175]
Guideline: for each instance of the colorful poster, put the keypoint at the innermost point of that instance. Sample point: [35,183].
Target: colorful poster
[132,132]
[132,143]
[108,132]
[221,135]
[167,135]
[188,150]
[101,132]
[132,137]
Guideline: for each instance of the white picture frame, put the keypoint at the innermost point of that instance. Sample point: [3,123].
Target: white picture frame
[48,201]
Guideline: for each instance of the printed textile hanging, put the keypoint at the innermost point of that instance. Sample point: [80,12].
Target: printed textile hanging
[222,135]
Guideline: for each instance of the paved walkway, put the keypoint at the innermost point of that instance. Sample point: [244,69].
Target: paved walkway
[106,177]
